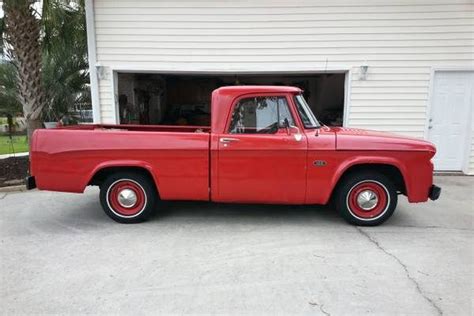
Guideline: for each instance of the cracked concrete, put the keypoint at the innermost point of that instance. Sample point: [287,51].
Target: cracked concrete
[321,308]
[59,254]
[405,268]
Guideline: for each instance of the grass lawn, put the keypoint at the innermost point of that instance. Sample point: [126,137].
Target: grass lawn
[20,144]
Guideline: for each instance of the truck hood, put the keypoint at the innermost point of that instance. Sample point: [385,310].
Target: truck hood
[361,139]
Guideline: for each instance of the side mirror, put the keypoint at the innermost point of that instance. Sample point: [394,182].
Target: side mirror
[286,125]
[289,128]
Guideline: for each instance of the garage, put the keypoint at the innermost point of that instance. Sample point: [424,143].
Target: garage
[184,99]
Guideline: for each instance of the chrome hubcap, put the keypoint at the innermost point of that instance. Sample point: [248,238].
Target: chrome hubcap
[367,200]
[127,198]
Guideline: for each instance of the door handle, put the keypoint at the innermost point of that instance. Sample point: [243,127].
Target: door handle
[228,140]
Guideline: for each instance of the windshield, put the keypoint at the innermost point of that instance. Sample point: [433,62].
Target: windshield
[307,116]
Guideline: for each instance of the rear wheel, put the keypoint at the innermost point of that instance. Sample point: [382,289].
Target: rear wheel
[366,198]
[128,197]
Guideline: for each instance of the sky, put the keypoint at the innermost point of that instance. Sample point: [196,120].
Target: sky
[37,6]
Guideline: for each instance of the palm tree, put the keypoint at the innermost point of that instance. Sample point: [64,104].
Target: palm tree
[49,50]
[22,32]
[9,104]
[65,63]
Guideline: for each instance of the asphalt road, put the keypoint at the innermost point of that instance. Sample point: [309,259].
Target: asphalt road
[61,254]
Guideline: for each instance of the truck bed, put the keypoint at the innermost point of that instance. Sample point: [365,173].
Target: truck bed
[140,128]
[177,157]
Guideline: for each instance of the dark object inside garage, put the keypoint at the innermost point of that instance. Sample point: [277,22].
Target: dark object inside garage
[171,99]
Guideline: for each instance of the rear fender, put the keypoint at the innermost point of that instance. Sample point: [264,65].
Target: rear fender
[123,164]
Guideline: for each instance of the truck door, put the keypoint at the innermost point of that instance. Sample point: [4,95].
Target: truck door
[262,154]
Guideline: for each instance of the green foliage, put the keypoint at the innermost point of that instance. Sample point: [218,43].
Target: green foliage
[20,144]
[64,69]
[65,64]
[2,28]
[17,3]
[9,103]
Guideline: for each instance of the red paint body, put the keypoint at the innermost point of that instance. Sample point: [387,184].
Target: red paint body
[190,163]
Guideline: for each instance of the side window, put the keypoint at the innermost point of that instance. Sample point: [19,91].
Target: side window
[262,115]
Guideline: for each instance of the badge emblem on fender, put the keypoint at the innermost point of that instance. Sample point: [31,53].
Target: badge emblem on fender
[298,137]
[319,163]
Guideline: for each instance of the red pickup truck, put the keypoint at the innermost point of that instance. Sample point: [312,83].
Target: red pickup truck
[264,145]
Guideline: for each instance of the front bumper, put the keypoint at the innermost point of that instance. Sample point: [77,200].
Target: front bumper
[30,183]
[435,192]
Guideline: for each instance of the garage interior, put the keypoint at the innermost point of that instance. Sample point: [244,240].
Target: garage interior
[171,99]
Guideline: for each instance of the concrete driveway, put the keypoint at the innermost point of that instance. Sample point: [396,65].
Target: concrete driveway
[61,254]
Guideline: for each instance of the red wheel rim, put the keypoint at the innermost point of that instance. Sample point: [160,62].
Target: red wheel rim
[368,200]
[126,198]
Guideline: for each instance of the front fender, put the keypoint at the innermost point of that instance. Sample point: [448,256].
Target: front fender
[354,161]
[322,180]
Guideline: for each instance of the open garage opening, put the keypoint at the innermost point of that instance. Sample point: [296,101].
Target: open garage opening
[184,99]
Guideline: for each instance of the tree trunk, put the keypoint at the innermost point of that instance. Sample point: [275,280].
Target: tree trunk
[22,32]
[10,124]
[31,126]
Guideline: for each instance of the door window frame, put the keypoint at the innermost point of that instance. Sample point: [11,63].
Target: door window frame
[288,97]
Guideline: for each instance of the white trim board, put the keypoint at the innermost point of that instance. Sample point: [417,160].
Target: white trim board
[92,54]
[114,90]
[228,71]
[347,98]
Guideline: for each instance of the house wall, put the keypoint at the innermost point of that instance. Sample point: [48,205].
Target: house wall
[400,41]
[470,169]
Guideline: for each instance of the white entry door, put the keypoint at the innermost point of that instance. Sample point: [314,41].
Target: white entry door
[451,106]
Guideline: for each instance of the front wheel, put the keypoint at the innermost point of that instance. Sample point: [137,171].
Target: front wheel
[366,198]
[128,197]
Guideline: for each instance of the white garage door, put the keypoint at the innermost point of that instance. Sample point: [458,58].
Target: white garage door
[451,107]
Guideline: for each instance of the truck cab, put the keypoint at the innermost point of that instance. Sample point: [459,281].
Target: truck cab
[260,150]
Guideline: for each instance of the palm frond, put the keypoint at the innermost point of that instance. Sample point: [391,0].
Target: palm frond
[65,64]
[9,100]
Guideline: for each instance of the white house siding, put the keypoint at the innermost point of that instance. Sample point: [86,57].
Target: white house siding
[401,42]
[471,158]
